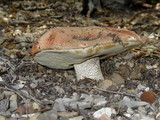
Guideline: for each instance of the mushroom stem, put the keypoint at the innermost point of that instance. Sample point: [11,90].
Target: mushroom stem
[89,69]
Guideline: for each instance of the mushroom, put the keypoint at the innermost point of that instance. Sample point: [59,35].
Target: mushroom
[82,48]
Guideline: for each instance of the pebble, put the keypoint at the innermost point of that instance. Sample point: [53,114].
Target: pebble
[61,104]
[75,96]
[140,87]
[132,104]
[108,111]
[89,98]
[49,115]
[105,84]
[34,117]
[13,102]
[141,117]
[1,80]
[2,118]
[135,74]
[76,118]
[151,36]
[99,101]
[124,70]
[33,85]
[59,89]
[130,91]
[104,117]
[96,100]
[25,38]
[142,109]
[67,114]
[117,79]
[2,37]
[129,110]
[81,105]
[158,116]
[83,96]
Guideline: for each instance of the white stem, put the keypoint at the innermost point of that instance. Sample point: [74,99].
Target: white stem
[89,69]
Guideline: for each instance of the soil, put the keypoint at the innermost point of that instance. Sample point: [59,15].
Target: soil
[21,23]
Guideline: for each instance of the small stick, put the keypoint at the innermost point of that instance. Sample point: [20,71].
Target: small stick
[20,93]
[113,92]
[88,18]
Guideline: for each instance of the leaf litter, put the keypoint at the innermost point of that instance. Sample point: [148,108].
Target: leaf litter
[32,92]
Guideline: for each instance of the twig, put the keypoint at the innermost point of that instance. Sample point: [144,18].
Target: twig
[88,18]
[7,62]
[20,93]
[113,92]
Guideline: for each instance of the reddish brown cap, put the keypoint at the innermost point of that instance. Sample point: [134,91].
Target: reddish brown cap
[62,47]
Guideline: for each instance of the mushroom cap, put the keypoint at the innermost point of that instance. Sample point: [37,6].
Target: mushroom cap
[62,47]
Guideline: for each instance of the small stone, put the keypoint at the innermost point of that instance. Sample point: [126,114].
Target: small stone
[76,118]
[82,105]
[75,96]
[49,115]
[2,118]
[33,85]
[104,117]
[23,44]
[108,111]
[158,116]
[147,89]
[124,70]
[89,98]
[132,104]
[117,79]
[67,101]
[136,72]
[141,117]
[11,46]
[1,95]
[67,114]
[83,96]
[35,116]
[105,84]
[3,37]
[99,101]
[135,75]
[65,74]
[25,38]
[151,36]
[1,80]
[142,109]
[36,106]
[130,64]
[126,98]
[59,105]
[13,102]
[130,111]
[130,91]
[4,104]
[59,90]
[140,87]
[127,115]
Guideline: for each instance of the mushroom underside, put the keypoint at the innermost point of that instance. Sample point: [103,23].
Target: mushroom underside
[65,59]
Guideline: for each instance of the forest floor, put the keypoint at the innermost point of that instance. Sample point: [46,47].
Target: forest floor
[29,91]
